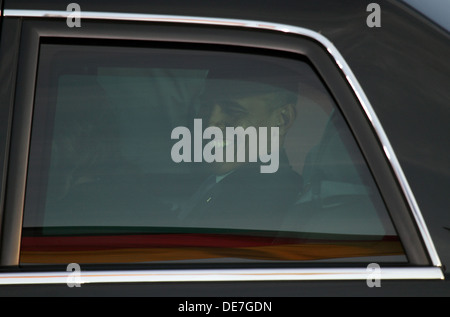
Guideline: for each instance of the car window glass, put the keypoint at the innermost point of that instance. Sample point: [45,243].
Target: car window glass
[149,154]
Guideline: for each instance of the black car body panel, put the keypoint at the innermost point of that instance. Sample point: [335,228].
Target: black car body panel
[402,66]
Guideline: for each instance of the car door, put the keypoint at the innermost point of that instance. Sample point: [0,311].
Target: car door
[108,147]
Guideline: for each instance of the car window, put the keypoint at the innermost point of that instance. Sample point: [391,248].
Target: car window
[194,153]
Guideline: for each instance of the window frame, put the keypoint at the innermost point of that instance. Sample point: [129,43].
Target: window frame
[330,65]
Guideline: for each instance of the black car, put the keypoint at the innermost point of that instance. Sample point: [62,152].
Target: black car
[235,148]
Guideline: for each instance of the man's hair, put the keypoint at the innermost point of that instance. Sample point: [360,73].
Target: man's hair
[217,89]
[282,98]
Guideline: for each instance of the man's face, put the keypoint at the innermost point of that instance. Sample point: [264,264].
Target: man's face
[250,111]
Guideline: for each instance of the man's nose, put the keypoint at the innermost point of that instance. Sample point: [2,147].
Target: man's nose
[216,117]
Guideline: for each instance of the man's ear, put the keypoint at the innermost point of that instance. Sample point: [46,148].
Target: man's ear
[286,118]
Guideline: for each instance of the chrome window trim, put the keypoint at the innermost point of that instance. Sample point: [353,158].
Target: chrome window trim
[220,275]
[272,274]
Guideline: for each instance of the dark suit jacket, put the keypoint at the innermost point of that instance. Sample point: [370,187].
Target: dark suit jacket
[247,199]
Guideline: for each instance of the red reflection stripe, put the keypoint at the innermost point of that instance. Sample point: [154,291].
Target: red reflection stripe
[86,243]
[139,241]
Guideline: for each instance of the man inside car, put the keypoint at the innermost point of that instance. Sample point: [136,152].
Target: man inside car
[237,193]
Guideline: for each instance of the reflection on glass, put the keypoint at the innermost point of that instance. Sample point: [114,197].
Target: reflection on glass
[148,155]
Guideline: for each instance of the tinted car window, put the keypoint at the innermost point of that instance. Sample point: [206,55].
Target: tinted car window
[148,154]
